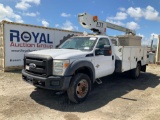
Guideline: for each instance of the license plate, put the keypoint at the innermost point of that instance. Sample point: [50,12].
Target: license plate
[27,67]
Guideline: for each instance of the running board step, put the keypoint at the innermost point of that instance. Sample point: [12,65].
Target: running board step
[98,81]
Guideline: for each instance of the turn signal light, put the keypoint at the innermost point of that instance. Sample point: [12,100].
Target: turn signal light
[66,65]
[110,52]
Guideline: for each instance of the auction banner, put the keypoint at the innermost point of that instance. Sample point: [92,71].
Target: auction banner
[21,39]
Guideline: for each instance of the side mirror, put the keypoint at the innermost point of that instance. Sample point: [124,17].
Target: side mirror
[57,46]
[107,50]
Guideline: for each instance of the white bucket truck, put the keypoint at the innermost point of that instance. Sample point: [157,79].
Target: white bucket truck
[81,60]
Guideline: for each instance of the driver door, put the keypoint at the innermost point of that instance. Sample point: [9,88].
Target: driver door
[104,65]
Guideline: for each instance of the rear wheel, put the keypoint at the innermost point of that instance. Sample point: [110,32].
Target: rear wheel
[79,88]
[135,73]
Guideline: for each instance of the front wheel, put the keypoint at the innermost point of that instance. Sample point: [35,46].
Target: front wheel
[79,88]
[135,73]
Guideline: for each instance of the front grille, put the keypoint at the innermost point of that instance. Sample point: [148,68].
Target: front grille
[43,65]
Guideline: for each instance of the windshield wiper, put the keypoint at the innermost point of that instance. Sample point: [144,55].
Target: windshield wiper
[69,48]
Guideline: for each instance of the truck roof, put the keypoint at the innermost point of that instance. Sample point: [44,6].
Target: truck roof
[92,36]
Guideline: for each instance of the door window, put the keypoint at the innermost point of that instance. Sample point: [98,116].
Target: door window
[102,42]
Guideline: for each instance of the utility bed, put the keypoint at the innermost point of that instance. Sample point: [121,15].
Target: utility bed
[128,56]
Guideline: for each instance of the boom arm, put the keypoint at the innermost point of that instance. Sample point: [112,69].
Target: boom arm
[91,22]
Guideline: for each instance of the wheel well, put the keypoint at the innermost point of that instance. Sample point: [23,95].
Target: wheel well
[85,70]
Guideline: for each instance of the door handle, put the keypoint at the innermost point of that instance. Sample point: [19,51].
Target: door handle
[112,57]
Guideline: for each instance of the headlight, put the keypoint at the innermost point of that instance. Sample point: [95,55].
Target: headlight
[59,66]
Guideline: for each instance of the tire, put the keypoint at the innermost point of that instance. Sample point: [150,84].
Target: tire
[79,88]
[135,73]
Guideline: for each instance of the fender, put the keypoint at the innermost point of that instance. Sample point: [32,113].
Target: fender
[78,64]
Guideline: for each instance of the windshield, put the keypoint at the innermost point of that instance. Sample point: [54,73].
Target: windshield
[79,43]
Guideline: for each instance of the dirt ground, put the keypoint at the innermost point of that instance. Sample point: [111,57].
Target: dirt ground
[118,98]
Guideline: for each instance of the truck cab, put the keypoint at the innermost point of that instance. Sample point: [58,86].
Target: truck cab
[85,58]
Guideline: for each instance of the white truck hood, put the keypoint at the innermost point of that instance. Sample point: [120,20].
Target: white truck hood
[62,53]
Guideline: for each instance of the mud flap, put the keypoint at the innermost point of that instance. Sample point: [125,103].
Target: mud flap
[143,68]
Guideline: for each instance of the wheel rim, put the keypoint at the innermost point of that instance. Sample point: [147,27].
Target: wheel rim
[82,88]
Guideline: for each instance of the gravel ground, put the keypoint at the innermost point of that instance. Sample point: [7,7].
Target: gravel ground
[118,98]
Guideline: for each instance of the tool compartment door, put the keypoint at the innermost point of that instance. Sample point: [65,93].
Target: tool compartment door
[126,58]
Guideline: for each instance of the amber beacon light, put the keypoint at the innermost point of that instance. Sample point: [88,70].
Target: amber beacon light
[95,18]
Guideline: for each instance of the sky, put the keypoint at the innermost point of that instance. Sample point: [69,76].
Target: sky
[143,16]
